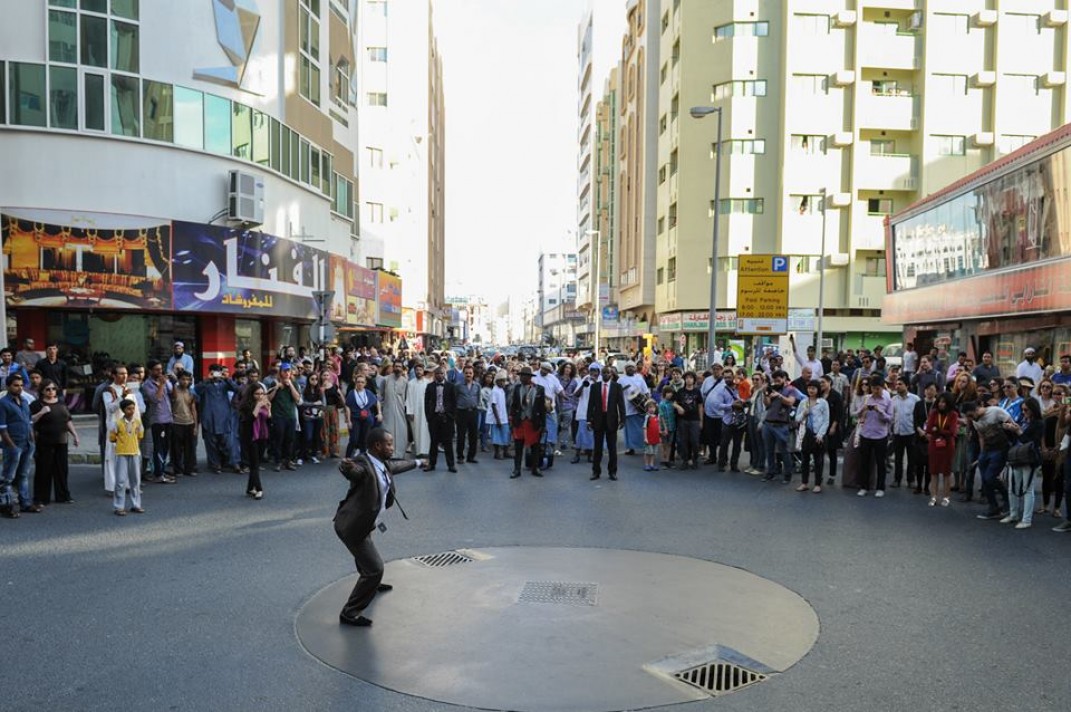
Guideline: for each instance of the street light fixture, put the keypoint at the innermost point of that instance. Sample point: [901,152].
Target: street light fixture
[700,112]
[598,289]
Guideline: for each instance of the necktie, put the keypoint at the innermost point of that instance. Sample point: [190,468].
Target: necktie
[605,396]
[439,398]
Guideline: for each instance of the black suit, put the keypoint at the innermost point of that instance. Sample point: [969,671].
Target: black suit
[441,425]
[538,421]
[355,520]
[605,424]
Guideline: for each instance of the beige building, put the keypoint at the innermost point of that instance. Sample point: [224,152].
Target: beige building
[871,103]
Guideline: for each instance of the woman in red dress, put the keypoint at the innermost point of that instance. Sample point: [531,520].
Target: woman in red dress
[941,429]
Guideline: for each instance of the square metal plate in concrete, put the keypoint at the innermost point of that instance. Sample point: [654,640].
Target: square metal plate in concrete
[580,594]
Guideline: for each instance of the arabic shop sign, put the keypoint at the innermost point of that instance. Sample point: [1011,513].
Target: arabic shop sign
[700,321]
[217,269]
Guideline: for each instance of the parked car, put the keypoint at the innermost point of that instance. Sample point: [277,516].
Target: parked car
[894,355]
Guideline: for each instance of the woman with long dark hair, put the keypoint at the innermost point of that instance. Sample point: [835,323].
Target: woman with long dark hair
[51,425]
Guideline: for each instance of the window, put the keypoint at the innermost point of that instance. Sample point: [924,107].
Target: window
[3,94]
[375,212]
[377,7]
[340,87]
[261,138]
[377,54]
[674,109]
[125,8]
[665,21]
[126,106]
[217,125]
[875,267]
[275,150]
[673,215]
[811,24]
[887,87]
[741,29]
[810,83]
[739,206]
[661,175]
[1013,142]
[125,47]
[661,226]
[947,24]
[808,144]
[327,170]
[26,94]
[309,40]
[241,131]
[285,136]
[951,84]
[671,269]
[189,118]
[63,3]
[882,147]
[663,74]
[740,87]
[377,98]
[375,157]
[158,111]
[302,170]
[951,145]
[662,125]
[1021,84]
[314,165]
[879,206]
[661,275]
[94,39]
[63,97]
[673,163]
[95,5]
[1021,23]
[741,146]
[343,204]
[62,37]
[93,85]
[806,204]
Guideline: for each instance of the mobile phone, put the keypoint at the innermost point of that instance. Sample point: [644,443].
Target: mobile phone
[1067,400]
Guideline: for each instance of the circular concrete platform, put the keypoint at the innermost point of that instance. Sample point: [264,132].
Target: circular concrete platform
[539,629]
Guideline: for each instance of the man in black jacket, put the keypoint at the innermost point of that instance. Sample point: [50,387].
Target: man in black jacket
[371,493]
[440,409]
[606,415]
[527,418]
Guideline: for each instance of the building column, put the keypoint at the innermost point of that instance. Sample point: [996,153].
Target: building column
[218,342]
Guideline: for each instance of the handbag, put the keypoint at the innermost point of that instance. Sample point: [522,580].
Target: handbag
[1024,455]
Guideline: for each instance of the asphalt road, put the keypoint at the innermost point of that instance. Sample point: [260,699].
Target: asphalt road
[192,605]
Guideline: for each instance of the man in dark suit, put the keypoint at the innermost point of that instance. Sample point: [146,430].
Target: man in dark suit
[440,409]
[371,493]
[527,418]
[606,415]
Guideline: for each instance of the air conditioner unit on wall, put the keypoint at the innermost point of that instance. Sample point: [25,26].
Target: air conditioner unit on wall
[245,198]
[842,139]
[984,18]
[984,79]
[1053,79]
[844,18]
[1054,18]
[984,138]
[843,77]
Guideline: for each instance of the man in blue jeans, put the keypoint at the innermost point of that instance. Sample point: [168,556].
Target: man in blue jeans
[780,399]
[992,424]
[284,397]
[16,432]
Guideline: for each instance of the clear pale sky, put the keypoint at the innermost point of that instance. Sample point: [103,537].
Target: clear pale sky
[510,78]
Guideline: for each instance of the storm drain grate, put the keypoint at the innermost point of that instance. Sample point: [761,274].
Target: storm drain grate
[716,670]
[581,594]
[719,678]
[446,558]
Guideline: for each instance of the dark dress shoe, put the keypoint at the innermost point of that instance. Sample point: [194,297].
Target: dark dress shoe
[472,460]
[613,477]
[359,621]
[428,469]
[451,469]
[515,474]
[536,473]
[33,509]
[630,452]
[594,477]
[384,587]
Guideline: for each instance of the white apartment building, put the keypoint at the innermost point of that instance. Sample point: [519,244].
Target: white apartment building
[556,296]
[402,154]
[870,103]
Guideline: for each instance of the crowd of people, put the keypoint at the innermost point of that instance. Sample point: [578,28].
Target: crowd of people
[936,429]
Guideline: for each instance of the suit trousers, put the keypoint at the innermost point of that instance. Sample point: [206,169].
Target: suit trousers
[441,427]
[609,439]
[467,429]
[370,567]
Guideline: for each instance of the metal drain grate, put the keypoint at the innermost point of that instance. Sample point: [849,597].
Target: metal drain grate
[582,594]
[719,678]
[717,670]
[446,558]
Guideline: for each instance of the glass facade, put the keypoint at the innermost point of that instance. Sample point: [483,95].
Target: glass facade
[1017,219]
[189,118]
[63,98]
[159,108]
[26,94]
[126,106]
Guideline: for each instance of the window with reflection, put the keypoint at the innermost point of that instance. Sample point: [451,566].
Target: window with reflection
[159,112]
[26,94]
[217,124]
[62,37]
[125,47]
[241,131]
[126,106]
[94,5]
[189,118]
[94,40]
[63,98]
[1014,220]
[261,142]
[125,8]
[93,84]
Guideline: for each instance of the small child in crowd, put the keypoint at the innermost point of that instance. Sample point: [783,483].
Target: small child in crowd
[127,435]
[652,436]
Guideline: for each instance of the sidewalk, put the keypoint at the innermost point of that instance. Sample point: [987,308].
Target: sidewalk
[88,451]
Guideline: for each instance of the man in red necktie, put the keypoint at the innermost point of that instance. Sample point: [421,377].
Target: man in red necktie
[606,415]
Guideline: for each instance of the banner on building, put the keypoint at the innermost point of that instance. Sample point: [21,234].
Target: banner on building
[390,300]
[354,303]
[219,269]
[51,265]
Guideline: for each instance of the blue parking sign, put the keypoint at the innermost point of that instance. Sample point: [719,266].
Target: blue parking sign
[780,264]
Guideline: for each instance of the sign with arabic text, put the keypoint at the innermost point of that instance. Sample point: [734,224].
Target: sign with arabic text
[762,295]
[219,269]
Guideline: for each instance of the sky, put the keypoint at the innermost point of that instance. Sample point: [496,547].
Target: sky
[510,82]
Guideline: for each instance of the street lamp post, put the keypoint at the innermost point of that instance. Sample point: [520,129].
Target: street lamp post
[822,276]
[699,112]
[598,289]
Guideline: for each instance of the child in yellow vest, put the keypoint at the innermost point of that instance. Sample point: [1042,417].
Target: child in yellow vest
[127,434]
